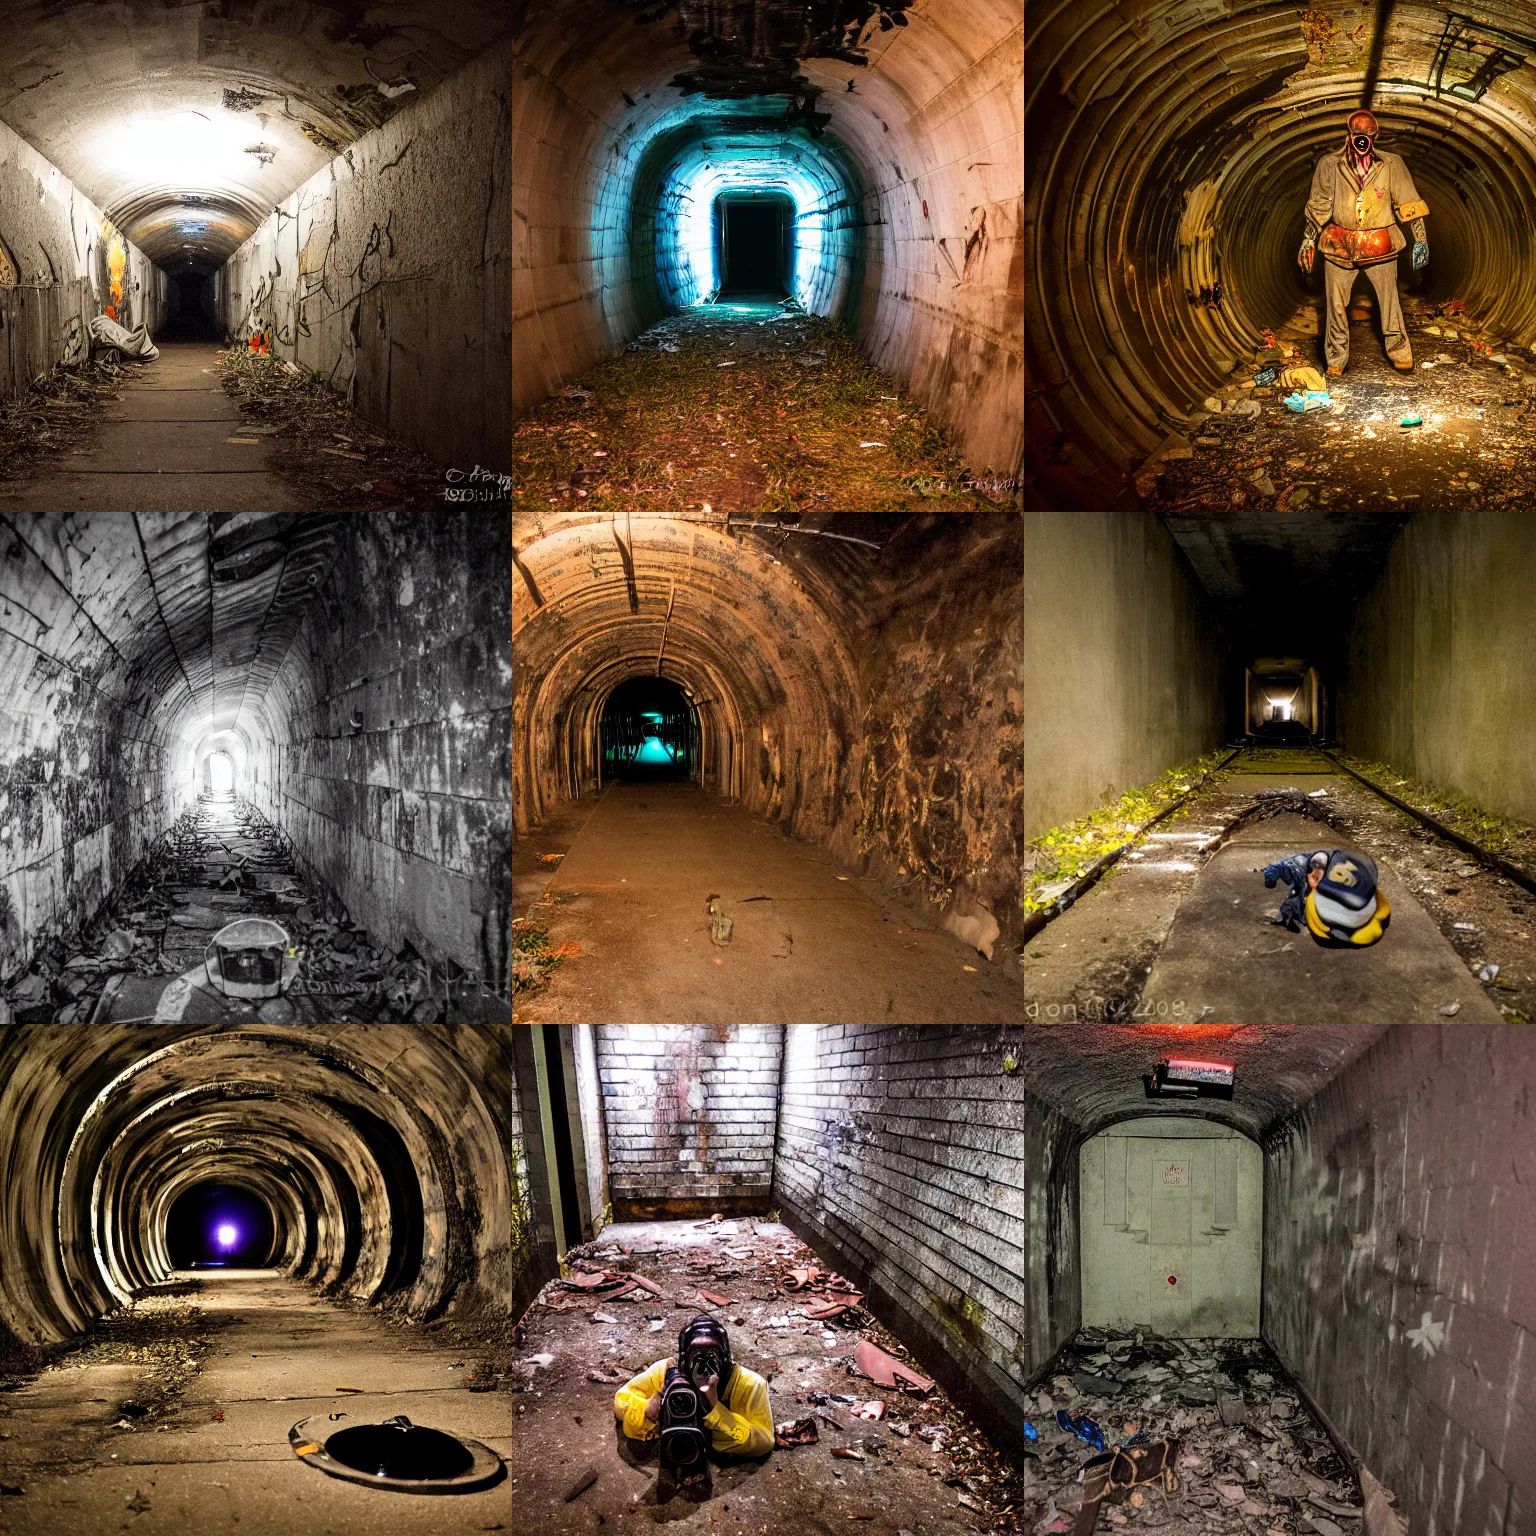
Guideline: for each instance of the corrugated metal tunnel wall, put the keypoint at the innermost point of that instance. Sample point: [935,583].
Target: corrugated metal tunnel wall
[1170,146]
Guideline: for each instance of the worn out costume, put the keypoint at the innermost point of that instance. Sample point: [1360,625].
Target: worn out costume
[1353,214]
[1347,907]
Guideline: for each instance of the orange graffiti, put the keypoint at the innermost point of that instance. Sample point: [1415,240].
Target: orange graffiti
[261,343]
[117,261]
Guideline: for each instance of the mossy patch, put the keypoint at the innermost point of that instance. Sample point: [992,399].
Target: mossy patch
[742,409]
[534,959]
[1068,851]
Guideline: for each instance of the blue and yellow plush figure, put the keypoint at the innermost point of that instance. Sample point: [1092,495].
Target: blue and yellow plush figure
[1336,892]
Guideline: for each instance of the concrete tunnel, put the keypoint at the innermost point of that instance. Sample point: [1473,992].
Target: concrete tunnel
[378,1162]
[1309,1281]
[1171,150]
[868,157]
[321,184]
[765,771]
[254,764]
[1207,695]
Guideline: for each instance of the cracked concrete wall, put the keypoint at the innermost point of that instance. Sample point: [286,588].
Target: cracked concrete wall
[389,271]
[1441,679]
[690,1111]
[380,1148]
[1400,1269]
[406,815]
[922,1167]
[56,256]
[1124,657]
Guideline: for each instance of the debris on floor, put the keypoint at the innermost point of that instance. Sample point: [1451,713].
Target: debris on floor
[55,415]
[1457,428]
[849,1446]
[320,444]
[219,862]
[1247,1454]
[742,408]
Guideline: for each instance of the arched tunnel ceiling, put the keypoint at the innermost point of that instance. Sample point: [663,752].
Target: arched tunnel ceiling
[188,123]
[381,1151]
[1171,146]
[1093,1073]
[181,620]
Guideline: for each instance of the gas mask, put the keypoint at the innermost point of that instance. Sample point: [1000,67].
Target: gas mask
[703,1351]
[1360,138]
[1362,143]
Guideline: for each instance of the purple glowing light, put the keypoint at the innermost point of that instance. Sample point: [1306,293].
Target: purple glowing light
[228,1235]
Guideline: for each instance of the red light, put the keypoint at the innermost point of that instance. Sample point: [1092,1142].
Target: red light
[1173,1279]
[1186,1065]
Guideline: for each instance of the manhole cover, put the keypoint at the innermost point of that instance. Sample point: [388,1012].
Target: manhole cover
[397,1454]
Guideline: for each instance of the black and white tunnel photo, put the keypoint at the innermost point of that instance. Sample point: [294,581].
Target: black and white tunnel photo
[1279,256]
[257,1279]
[895,1280]
[767,255]
[1279,768]
[767,770]
[254,256]
[255,767]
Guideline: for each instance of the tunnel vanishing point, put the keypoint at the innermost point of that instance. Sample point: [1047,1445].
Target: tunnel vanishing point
[1171,149]
[254,257]
[254,765]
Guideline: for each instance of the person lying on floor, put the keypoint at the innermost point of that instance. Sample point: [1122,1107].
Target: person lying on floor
[1334,891]
[736,1415]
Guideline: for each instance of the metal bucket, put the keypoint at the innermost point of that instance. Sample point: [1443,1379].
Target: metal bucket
[250,958]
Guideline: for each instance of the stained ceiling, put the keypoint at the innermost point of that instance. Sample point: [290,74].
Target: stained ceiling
[188,123]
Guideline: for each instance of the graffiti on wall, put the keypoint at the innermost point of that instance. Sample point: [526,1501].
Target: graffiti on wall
[117,266]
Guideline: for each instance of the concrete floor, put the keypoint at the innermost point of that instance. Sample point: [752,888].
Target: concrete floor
[823,947]
[899,1487]
[1222,964]
[163,447]
[278,1354]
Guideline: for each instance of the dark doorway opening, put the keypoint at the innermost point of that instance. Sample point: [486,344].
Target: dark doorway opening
[218,1225]
[560,1124]
[190,313]
[650,730]
[756,231]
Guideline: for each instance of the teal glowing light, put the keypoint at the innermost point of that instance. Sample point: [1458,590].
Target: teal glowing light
[655,751]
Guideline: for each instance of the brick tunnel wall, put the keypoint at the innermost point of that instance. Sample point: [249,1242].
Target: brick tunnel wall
[1441,680]
[55,248]
[390,271]
[406,818]
[920,1166]
[1400,1271]
[690,1112]
[1135,683]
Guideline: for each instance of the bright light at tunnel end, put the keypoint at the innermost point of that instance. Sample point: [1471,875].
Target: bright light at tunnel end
[227,1235]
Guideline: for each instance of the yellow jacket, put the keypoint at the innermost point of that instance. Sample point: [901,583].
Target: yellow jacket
[741,1423]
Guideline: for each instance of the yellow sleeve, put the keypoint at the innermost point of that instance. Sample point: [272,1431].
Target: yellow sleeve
[630,1400]
[745,1427]
[1405,196]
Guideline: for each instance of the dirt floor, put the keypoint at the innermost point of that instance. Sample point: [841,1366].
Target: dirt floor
[1252,1458]
[173,1416]
[809,939]
[742,408]
[1476,446]
[142,958]
[921,1468]
[1093,962]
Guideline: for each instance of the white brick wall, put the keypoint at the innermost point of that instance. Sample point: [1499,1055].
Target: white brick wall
[909,1157]
[690,1110]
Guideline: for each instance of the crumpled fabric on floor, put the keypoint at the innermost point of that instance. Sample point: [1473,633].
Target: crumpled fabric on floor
[133,344]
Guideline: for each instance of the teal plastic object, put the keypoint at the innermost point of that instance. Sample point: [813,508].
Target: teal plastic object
[1308,400]
[1411,421]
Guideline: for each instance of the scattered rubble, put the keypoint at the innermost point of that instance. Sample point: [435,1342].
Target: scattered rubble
[221,861]
[56,414]
[822,1371]
[1220,1415]
[320,444]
